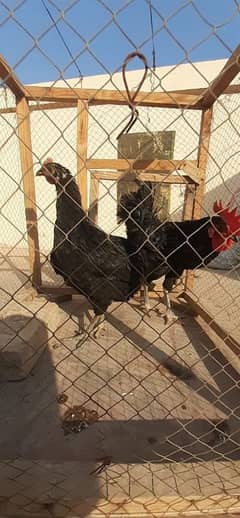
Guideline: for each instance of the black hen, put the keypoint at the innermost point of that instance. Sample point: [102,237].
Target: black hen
[95,264]
[168,248]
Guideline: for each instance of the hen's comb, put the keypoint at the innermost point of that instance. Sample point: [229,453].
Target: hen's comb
[48,161]
[230,217]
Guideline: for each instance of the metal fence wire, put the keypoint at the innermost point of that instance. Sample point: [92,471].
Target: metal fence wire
[141,419]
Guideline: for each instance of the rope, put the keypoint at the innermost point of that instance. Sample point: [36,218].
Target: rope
[132,96]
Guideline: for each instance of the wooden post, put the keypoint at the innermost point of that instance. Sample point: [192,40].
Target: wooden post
[82,134]
[94,195]
[10,80]
[204,139]
[188,208]
[24,135]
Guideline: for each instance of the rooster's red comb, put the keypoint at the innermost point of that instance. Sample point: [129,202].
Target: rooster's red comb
[230,217]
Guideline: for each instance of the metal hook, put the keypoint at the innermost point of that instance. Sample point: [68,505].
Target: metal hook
[132,96]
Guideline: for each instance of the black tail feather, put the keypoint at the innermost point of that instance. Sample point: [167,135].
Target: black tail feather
[136,208]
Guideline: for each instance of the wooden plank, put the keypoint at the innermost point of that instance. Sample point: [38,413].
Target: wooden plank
[94,195]
[43,106]
[68,290]
[82,135]
[188,202]
[57,290]
[223,80]
[122,164]
[232,89]
[191,169]
[7,110]
[188,206]
[145,177]
[9,78]
[169,100]
[24,135]
[204,140]
[52,106]
[227,338]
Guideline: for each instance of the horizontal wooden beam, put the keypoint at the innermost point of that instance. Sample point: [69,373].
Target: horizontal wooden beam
[52,106]
[144,177]
[50,289]
[223,80]
[43,106]
[10,80]
[189,167]
[72,103]
[231,89]
[7,110]
[123,164]
[57,290]
[171,99]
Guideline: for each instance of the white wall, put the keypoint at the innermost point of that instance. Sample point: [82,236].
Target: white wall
[54,134]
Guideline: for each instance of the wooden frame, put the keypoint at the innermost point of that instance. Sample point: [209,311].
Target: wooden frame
[204,139]
[56,98]
[52,98]
[82,134]
[24,135]
[48,98]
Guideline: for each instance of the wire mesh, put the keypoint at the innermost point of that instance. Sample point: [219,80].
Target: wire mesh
[143,419]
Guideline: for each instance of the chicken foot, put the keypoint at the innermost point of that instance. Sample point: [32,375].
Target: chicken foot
[168,314]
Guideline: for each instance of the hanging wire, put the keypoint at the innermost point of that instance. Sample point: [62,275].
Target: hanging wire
[153,58]
[62,38]
[152,36]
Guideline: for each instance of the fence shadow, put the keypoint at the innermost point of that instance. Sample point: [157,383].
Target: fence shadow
[174,438]
[36,459]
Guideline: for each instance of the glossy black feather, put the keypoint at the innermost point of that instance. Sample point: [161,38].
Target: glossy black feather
[164,248]
[96,264]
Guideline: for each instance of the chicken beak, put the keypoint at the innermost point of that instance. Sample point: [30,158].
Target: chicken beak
[40,172]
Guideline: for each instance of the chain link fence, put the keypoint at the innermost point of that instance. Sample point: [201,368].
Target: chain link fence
[144,418]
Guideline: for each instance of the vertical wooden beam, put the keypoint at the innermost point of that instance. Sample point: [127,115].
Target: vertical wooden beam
[94,195]
[204,140]
[82,135]
[25,148]
[189,198]
[188,208]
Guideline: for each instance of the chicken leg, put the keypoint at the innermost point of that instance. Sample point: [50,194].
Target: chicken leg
[147,304]
[96,325]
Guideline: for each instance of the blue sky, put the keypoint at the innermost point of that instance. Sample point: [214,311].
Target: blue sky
[100,33]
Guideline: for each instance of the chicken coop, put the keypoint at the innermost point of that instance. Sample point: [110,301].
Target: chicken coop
[142,420]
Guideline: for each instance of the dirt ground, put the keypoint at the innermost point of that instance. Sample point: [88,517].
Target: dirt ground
[166,403]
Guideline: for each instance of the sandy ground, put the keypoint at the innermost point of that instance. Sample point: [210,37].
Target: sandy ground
[159,391]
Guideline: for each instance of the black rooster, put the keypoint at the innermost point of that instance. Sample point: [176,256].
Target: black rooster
[94,263]
[168,248]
